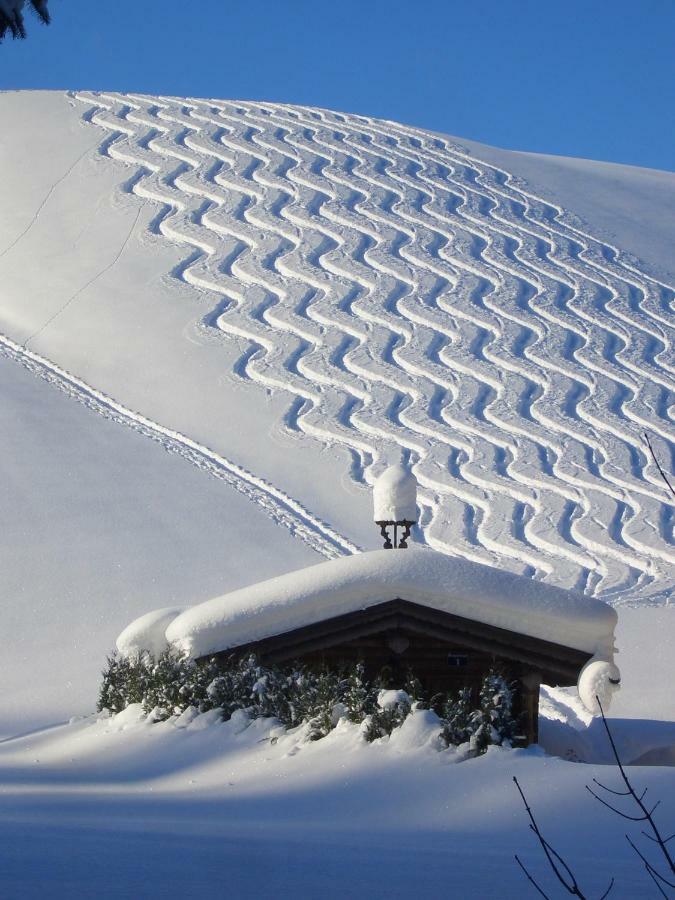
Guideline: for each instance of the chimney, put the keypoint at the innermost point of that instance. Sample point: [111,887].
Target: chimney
[395,505]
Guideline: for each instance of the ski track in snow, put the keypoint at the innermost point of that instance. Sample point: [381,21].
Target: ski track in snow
[414,300]
[279,506]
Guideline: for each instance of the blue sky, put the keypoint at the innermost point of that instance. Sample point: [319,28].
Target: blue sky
[589,78]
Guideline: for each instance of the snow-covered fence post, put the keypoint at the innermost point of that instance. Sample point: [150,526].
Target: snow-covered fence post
[395,505]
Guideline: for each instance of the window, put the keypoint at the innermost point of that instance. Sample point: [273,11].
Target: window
[457,659]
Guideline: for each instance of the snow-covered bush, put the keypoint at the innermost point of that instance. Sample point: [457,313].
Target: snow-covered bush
[495,721]
[165,686]
[359,696]
[393,708]
[125,681]
[169,684]
[456,711]
[491,721]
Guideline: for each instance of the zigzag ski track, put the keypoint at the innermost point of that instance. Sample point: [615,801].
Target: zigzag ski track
[412,299]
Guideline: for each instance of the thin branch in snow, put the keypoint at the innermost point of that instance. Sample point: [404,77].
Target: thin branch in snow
[558,865]
[658,465]
[614,809]
[656,876]
[530,878]
[652,838]
[645,814]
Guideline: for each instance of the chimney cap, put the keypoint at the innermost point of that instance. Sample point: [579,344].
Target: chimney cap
[395,495]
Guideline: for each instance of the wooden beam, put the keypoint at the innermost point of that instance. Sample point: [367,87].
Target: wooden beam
[557,663]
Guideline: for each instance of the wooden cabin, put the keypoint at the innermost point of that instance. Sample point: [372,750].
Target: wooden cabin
[447,619]
[444,651]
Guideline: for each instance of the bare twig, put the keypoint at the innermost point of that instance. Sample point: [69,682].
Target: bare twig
[645,814]
[663,475]
[655,876]
[650,838]
[558,865]
[530,878]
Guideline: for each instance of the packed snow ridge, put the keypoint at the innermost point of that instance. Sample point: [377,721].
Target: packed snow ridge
[412,301]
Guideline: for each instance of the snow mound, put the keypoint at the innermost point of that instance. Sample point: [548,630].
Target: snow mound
[598,680]
[341,586]
[395,496]
[147,632]
[386,699]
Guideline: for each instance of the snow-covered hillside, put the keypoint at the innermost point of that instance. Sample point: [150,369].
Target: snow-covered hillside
[396,293]
[287,300]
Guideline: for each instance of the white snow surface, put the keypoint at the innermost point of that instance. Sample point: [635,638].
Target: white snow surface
[99,525]
[345,290]
[147,632]
[388,698]
[598,680]
[423,576]
[256,307]
[187,806]
[395,496]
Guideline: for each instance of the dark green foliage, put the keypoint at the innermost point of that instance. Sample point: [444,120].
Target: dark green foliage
[360,697]
[125,681]
[11,18]
[384,680]
[321,702]
[384,719]
[113,693]
[172,683]
[413,688]
[493,721]
[166,679]
[456,711]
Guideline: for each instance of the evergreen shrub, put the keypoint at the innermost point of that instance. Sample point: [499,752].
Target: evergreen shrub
[295,695]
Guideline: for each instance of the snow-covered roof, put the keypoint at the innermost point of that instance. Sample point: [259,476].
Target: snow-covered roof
[148,632]
[395,496]
[423,576]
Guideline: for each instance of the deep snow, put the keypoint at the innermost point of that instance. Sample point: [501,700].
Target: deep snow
[345,291]
[98,525]
[193,805]
[286,301]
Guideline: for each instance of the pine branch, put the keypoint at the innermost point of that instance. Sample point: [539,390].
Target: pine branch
[40,7]
[11,18]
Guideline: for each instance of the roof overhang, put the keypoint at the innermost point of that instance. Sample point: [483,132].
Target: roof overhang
[556,663]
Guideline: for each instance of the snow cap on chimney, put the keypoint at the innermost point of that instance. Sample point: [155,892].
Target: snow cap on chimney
[395,495]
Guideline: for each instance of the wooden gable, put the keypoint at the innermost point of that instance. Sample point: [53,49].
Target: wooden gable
[558,664]
[443,650]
